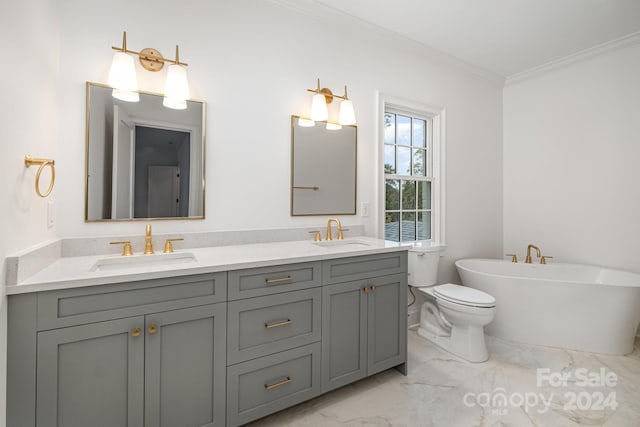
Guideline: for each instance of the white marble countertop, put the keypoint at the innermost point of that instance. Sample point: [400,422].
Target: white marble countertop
[73,272]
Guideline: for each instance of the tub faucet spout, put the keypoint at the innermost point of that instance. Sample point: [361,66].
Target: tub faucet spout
[528,258]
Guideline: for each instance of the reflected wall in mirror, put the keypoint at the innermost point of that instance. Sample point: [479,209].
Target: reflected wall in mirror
[143,160]
[323,169]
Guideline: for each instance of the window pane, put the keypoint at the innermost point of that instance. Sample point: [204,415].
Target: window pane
[404,130]
[389,159]
[419,158]
[424,195]
[391,226]
[408,226]
[419,139]
[408,195]
[424,225]
[404,161]
[389,128]
[392,195]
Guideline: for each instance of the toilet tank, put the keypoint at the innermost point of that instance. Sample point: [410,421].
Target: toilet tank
[423,267]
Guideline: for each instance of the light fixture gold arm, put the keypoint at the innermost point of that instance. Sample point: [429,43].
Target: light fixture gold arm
[31,161]
[150,59]
[328,94]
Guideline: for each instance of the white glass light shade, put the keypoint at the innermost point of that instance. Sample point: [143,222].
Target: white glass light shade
[347,115]
[122,77]
[305,123]
[333,126]
[176,88]
[319,111]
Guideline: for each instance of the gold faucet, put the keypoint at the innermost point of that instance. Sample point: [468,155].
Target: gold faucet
[148,245]
[337,221]
[528,258]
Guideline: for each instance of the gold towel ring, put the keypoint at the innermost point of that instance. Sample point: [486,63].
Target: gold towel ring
[30,161]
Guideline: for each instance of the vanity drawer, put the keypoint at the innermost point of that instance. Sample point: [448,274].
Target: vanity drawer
[266,325]
[363,267]
[69,307]
[256,282]
[262,386]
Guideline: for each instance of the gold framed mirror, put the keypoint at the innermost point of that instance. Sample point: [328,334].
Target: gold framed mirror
[323,168]
[143,161]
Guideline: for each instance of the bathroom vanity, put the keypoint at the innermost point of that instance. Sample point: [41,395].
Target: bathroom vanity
[208,343]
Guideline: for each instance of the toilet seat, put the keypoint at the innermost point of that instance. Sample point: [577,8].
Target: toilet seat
[464,295]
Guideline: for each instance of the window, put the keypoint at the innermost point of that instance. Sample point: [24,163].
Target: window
[411,168]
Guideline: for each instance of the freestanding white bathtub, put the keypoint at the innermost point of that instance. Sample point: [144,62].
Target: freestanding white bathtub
[570,306]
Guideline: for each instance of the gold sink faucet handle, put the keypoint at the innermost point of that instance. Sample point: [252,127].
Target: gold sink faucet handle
[168,247]
[316,236]
[126,250]
[148,244]
[514,257]
[544,258]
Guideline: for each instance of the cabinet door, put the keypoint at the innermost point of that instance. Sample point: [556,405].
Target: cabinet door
[185,367]
[91,375]
[387,322]
[344,327]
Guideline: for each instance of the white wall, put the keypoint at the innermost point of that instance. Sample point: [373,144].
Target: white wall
[29,126]
[252,61]
[571,161]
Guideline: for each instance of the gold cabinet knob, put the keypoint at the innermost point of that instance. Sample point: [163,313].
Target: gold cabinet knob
[365,289]
[152,329]
[135,332]
[373,288]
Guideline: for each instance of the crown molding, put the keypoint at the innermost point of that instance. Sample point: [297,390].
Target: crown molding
[610,46]
[331,16]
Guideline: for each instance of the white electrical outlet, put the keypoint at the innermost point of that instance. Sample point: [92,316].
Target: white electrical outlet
[51,214]
[365,210]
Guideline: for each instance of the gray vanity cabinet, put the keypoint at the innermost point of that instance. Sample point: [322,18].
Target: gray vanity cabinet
[363,328]
[172,364]
[185,367]
[205,350]
[91,375]
[141,354]
[344,334]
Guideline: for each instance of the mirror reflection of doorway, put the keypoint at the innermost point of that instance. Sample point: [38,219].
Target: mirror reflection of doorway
[164,191]
[162,162]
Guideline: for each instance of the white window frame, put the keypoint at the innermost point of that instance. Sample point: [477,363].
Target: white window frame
[437,115]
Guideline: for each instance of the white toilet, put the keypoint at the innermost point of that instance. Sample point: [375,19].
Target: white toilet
[453,316]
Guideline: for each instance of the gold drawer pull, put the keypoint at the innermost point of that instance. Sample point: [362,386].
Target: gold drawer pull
[278,384]
[135,332]
[152,329]
[279,280]
[277,324]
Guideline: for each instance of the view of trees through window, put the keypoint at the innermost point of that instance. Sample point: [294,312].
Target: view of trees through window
[407,177]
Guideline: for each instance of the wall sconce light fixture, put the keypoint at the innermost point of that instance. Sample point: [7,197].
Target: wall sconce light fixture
[323,97]
[123,80]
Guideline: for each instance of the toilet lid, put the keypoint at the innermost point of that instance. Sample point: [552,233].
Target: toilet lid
[464,295]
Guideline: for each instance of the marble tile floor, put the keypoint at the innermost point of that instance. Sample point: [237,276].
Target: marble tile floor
[576,389]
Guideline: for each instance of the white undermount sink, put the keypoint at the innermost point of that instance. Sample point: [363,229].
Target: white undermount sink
[137,261]
[342,243]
